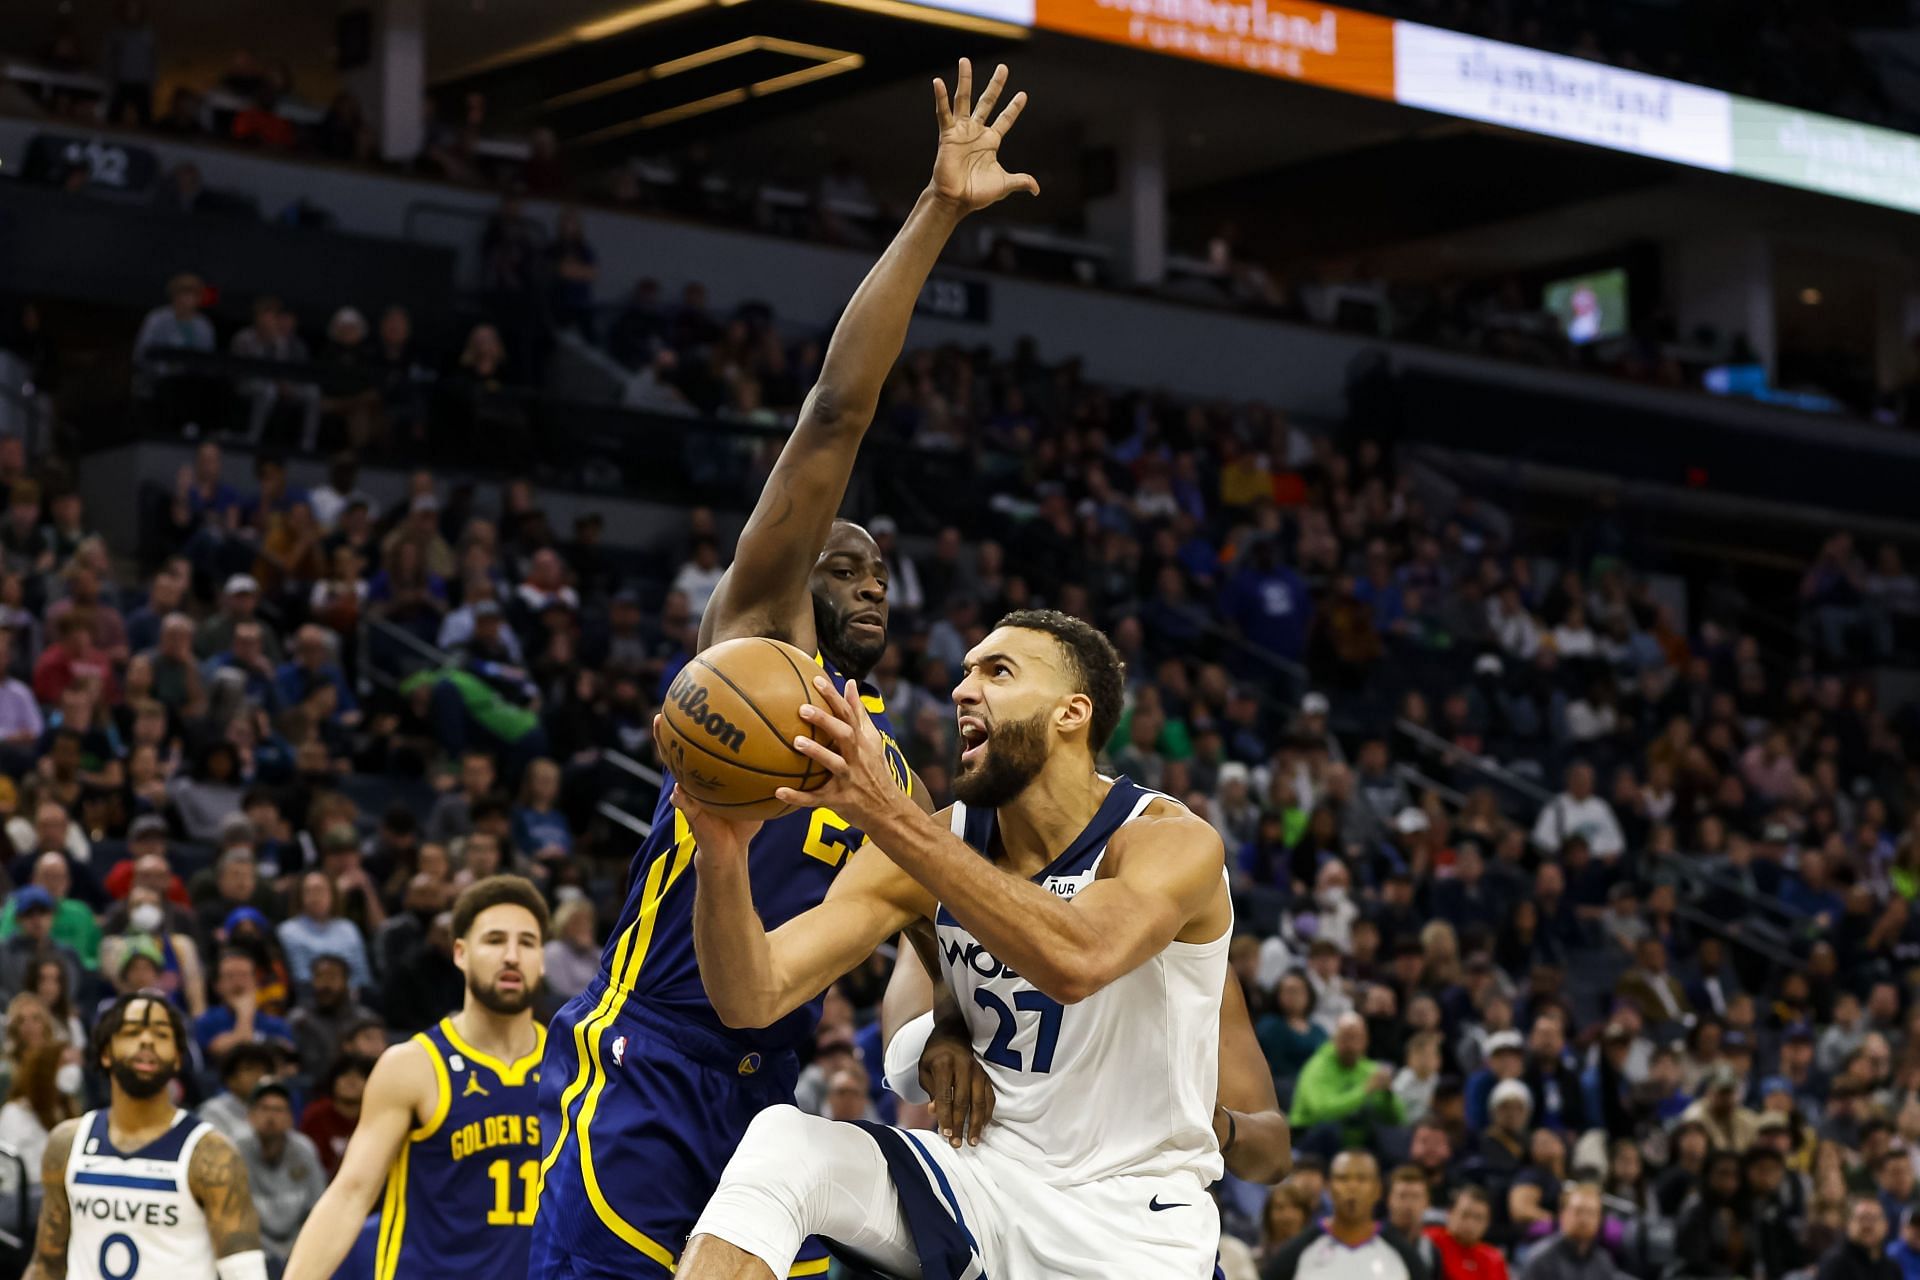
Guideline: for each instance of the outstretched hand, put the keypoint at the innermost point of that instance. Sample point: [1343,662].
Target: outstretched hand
[967,170]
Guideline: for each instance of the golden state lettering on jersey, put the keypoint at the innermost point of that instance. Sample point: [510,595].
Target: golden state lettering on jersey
[494,1131]
[461,1197]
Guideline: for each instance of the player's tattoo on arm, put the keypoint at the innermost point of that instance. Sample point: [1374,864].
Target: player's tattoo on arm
[218,1179]
[56,1214]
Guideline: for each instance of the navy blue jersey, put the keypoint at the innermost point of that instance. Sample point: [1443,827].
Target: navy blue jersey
[649,957]
[460,1198]
[647,1091]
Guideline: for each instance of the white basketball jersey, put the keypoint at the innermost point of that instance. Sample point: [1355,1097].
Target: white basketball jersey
[134,1217]
[1122,1083]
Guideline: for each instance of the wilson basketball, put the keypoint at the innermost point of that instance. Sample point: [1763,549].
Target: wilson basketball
[729,723]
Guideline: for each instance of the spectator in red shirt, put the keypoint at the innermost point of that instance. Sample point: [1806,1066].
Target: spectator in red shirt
[330,1118]
[260,123]
[1464,1252]
[73,657]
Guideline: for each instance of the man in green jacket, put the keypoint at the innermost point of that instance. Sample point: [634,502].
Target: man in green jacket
[1342,1098]
[73,920]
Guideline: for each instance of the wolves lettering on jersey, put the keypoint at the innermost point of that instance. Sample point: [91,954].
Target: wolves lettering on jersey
[1151,1036]
[460,1198]
[135,1210]
[792,864]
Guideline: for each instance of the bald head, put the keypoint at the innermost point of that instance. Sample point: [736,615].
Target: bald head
[1350,1039]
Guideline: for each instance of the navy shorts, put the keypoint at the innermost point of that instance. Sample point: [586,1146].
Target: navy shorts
[641,1111]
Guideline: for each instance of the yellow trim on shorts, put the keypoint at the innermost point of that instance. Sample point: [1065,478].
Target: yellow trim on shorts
[510,1073]
[817,1267]
[443,1085]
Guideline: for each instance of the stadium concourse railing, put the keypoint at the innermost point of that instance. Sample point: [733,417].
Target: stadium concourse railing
[394,653]
[1766,928]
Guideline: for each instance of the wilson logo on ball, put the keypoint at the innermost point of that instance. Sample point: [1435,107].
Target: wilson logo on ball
[691,699]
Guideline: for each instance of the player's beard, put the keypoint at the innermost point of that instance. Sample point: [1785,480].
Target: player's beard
[140,1087]
[498,1001]
[850,657]
[1016,752]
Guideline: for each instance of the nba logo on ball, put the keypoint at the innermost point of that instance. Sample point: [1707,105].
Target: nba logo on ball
[619,1049]
[749,1064]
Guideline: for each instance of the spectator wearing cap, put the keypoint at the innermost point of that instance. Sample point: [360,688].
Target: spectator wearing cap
[74,924]
[33,940]
[1729,1126]
[1503,1144]
[1342,1099]
[284,1171]
[481,623]
[1862,1254]
[239,603]
[1505,1060]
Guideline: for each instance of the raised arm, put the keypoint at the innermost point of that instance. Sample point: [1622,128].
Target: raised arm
[1253,1132]
[56,1214]
[401,1089]
[754,977]
[217,1177]
[765,590]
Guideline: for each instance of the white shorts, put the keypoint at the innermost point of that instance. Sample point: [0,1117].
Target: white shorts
[908,1204]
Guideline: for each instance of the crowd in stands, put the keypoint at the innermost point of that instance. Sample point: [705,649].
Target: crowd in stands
[254,104]
[1586,913]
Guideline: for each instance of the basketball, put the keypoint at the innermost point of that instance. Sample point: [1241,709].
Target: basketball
[730,719]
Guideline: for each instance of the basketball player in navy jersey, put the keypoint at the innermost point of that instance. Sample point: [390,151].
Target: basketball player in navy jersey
[448,1124]
[646,1091]
[144,1189]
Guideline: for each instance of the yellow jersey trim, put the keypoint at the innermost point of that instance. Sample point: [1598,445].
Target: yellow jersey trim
[871,701]
[393,1219]
[510,1073]
[660,881]
[817,1267]
[443,1084]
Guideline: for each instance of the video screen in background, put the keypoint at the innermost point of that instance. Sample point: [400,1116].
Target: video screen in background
[1590,307]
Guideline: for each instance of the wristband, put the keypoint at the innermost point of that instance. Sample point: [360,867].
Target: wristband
[249,1265]
[1233,1132]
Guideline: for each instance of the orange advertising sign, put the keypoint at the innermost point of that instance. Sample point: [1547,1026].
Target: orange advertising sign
[1320,44]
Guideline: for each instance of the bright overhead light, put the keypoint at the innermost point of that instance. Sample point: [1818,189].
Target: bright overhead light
[830,62]
[599,29]
[638,16]
[938,17]
[1811,296]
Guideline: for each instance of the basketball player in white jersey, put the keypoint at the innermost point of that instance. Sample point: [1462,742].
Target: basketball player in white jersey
[144,1190]
[1082,926]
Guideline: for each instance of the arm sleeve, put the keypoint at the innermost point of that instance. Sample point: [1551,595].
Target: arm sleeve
[903,1058]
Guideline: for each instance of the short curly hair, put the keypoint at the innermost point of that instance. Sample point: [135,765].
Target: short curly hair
[495,891]
[1097,669]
